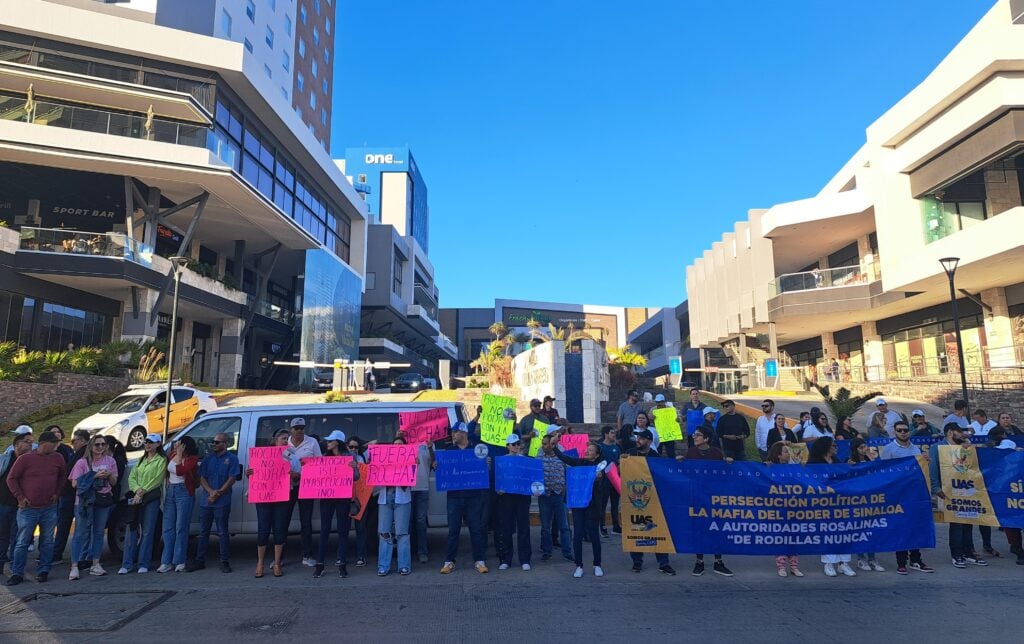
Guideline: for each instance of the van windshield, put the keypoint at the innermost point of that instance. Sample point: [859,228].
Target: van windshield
[126,404]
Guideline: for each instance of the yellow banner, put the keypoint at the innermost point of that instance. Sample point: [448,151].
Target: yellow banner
[644,528]
[666,421]
[967,499]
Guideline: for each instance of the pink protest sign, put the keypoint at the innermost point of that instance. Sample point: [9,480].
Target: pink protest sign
[612,472]
[327,477]
[577,442]
[392,465]
[424,426]
[270,481]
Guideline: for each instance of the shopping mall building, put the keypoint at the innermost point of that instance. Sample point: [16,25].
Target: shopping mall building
[130,136]
[850,278]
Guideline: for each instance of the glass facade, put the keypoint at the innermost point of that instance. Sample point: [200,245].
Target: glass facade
[331,296]
[39,325]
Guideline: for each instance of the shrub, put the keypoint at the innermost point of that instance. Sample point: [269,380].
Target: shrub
[621,377]
[336,397]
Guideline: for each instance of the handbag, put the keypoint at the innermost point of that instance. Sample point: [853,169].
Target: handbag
[104,500]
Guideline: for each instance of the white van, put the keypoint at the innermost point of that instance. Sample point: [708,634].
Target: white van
[255,426]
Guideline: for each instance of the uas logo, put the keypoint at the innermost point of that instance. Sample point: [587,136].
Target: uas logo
[639,493]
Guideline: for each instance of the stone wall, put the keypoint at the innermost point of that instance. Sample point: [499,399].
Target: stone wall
[20,398]
[540,371]
[992,400]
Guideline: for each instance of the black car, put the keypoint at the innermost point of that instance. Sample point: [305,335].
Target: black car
[409,382]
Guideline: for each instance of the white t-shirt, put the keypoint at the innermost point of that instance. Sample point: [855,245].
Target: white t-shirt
[813,432]
[172,475]
[763,425]
[983,430]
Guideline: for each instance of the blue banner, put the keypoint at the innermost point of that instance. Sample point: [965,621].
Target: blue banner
[924,442]
[460,469]
[517,474]
[694,419]
[579,485]
[753,509]
[1003,475]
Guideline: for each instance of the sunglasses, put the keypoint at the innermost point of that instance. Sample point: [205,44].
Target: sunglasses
[902,431]
[100,444]
[766,406]
[216,442]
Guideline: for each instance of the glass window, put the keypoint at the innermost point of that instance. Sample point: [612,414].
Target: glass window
[325,87]
[248,45]
[302,14]
[266,70]
[323,116]
[250,10]
[302,48]
[204,431]
[971,214]
[327,26]
[273,4]
[252,143]
[225,24]
[269,37]
[286,60]
[327,55]
[314,69]
[288,25]
[179,395]
[312,100]
[300,80]
[316,37]
[316,6]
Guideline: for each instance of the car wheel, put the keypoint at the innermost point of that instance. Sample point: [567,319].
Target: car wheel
[136,439]
[199,414]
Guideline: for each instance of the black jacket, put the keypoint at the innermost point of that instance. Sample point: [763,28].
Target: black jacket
[595,511]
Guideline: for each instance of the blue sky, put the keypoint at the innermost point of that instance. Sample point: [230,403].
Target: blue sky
[588,150]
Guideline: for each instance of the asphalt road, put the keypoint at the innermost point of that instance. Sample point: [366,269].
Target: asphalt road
[545,604]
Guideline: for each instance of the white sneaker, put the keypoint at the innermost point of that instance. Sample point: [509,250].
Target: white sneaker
[863,564]
[308,561]
[97,570]
[598,572]
[578,573]
[121,571]
[73,575]
[503,566]
[526,567]
[846,570]
[165,568]
[142,570]
[830,570]
[179,568]
[877,567]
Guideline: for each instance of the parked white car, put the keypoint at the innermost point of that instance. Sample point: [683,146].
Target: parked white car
[141,410]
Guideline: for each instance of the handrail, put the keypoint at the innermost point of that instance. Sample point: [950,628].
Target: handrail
[824,278]
[77,242]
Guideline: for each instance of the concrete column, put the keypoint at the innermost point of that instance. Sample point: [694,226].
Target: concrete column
[874,358]
[230,365]
[239,260]
[193,249]
[773,341]
[998,329]
[222,265]
[152,207]
[743,348]
[134,323]
[867,258]
[183,355]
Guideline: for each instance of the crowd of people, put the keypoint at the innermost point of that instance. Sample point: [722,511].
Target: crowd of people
[47,486]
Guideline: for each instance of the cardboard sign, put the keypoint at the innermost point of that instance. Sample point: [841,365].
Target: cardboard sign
[541,429]
[362,491]
[517,474]
[666,420]
[579,485]
[578,442]
[612,472]
[424,426]
[494,427]
[393,465]
[327,477]
[461,469]
[270,481]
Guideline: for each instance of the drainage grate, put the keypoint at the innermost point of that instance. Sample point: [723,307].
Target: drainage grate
[80,612]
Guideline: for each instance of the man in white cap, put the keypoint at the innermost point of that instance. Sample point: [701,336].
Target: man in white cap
[669,446]
[301,447]
[920,425]
[890,416]
[18,431]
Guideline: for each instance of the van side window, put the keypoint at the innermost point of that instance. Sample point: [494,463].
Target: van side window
[369,426]
[204,431]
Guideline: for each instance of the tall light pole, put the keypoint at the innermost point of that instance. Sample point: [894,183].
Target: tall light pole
[178,265]
[949,265]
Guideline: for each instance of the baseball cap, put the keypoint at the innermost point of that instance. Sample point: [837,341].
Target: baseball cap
[917,412]
[22,429]
[643,433]
[547,398]
[154,438]
[512,439]
[460,427]
[880,402]
[659,398]
[297,422]
[709,410]
[533,402]
[336,435]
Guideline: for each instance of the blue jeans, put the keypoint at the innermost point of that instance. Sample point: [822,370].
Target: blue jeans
[90,524]
[177,517]
[272,517]
[514,515]
[638,557]
[552,506]
[361,536]
[471,509]
[421,508]
[397,515]
[329,509]
[65,515]
[141,545]
[8,533]
[28,519]
[959,539]
[583,524]
[207,516]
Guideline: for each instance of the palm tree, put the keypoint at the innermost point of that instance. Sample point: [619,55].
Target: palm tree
[498,330]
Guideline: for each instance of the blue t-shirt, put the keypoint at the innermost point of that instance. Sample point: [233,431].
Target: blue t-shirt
[217,470]
[610,453]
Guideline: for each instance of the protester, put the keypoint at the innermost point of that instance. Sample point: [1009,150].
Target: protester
[818,428]
[889,415]
[178,502]
[643,422]
[94,477]
[1006,422]
[513,515]
[552,502]
[464,506]
[21,444]
[66,505]
[981,424]
[145,484]
[823,452]
[803,423]
[356,447]
[703,450]
[548,410]
[845,430]
[35,480]
[626,414]
[779,433]
[733,430]
[395,505]
[218,472]
[585,521]
[115,449]
[958,417]
[65,451]
[302,447]
[644,442]
[997,438]
[921,426]
[610,452]
[421,503]
[275,516]
[960,542]
[901,447]
[488,498]
[764,424]
[778,454]
[861,453]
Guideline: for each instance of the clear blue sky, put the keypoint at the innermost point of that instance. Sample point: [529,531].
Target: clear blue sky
[588,150]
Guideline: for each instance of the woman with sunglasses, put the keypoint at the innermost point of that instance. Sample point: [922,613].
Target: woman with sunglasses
[273,516]
[395,505]
[180,497]
[144,486]
[331,508]
[94,478]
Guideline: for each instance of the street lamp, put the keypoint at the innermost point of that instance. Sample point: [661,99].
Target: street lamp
[178,265]
[949,265]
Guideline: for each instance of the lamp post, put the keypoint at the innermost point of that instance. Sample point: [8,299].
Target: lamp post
[178,265]
[949,264]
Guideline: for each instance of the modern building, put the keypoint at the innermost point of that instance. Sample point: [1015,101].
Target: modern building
[399,321]
[851,277]
[664,335]
[117,153]
[291,41]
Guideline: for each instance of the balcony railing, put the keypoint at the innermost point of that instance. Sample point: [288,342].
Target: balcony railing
[824,278]
[13,108]
[271,310]
[72,242]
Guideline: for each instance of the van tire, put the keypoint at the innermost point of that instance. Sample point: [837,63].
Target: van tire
[199,414]
[136,439]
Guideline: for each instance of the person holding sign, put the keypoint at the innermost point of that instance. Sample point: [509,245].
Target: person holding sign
[901,447]
[331,507]
[671,430]
[703,450]
[644,440]
[302,447]
[355,448]
[395,509]
[552,503]
[514,515]
[526,429]
[464,505]
[587,521]
[961,542]
[823,452]
[271,517]
[610,452]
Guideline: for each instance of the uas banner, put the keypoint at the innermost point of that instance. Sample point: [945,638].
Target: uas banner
[982,486]
[748,508]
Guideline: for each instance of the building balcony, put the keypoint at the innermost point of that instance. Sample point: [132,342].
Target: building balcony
[270,310]
[71,242]
[422,320]
[848,288]
[447,346]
